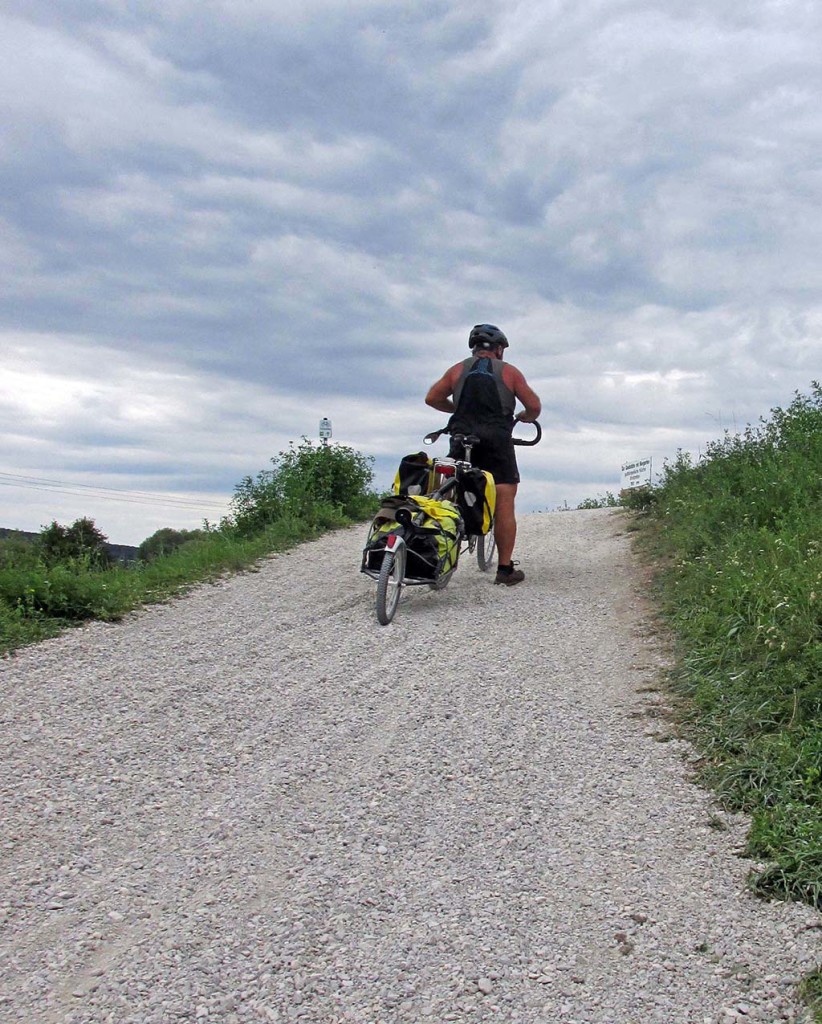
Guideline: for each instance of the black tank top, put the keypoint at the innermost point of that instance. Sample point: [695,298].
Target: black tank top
[484,404]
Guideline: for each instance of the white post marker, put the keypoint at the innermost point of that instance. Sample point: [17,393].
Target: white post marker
[636,473]
[325,430]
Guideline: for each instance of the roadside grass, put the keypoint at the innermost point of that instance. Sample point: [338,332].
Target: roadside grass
[810,989]
[39,602]
[737,543]
[738,538]
[309,492]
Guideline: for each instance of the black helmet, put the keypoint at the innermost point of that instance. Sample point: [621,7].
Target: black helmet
[486,336]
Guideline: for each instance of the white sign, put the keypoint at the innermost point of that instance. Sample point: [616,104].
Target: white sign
[325,429]
[636,474]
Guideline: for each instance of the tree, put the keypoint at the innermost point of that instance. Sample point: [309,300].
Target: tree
[81,541]
[164,541]
[306,482]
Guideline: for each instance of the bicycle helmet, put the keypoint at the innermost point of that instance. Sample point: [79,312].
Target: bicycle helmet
[486,336]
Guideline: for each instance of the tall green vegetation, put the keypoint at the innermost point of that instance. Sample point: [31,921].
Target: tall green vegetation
[79,543]
[313,484]
[165,541]
[65,576]
[740,536]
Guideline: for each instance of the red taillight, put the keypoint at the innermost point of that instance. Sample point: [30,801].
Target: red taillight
[445,470]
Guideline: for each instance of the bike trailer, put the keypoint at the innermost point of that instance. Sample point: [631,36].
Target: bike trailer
[433,546]
[414,475]
[477,499]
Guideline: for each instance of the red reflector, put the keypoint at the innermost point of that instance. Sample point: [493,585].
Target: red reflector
[445,470]
[391,541]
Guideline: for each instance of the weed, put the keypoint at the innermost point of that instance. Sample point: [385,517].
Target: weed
[607,500]
[736,538]
[321,485]
[810,989]
[639,499]
[61,580]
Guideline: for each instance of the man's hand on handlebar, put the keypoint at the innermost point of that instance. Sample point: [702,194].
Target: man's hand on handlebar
[537,437]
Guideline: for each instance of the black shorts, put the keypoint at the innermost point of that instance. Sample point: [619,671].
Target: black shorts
[499,458]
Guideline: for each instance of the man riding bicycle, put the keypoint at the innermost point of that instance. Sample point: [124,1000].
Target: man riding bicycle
[481,394]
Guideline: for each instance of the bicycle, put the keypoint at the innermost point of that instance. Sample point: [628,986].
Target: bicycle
[396,534]
[389,544]
[447,467]
[485,544]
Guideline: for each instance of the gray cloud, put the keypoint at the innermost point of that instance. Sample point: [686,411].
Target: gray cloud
[246,218]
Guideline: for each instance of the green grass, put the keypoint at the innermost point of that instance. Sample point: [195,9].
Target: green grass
[739,536]
[309,491]
[810,990]
[38,602]
[737,539]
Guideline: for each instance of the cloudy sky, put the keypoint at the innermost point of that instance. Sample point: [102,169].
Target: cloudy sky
[221,220]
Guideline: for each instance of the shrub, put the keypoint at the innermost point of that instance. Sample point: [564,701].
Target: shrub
[81,541]
[164,541]
[16,549]
[639,499]
[65,575]
[257,502]
[323,485]
[608,500]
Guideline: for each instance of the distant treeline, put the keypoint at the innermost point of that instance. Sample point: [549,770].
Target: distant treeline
[117,552]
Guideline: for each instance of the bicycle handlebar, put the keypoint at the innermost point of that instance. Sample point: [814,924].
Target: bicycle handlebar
[432,437]
[535,440]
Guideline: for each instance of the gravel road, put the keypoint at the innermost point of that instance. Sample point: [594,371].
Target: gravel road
[256,804]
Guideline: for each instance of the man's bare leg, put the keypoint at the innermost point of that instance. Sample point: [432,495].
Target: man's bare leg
[505,522]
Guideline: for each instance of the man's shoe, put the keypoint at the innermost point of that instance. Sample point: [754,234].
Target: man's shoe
[508,575]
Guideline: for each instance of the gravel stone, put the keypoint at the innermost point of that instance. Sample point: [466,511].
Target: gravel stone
[256,804]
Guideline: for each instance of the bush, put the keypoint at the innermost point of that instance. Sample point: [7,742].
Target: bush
[16,549]
[66,591]
[639,499]
[636,499]
[80,542]
[164,541]
[65,575]
[608,500]
[257,503]
[322,485]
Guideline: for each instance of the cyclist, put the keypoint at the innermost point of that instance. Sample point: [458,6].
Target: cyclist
[481,394]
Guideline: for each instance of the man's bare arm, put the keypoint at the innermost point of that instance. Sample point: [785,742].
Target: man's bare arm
[439,394]
[525,394]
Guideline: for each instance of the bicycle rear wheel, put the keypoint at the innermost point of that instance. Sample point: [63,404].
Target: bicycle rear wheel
[389,584]
[486,551]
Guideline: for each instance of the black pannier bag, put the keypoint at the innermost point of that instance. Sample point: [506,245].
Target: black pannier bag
[477,499]
[383,523]
[414,475]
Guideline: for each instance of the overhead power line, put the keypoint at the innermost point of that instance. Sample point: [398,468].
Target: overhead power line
[156,498]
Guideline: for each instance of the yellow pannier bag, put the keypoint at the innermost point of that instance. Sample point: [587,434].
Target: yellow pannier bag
[434,547]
